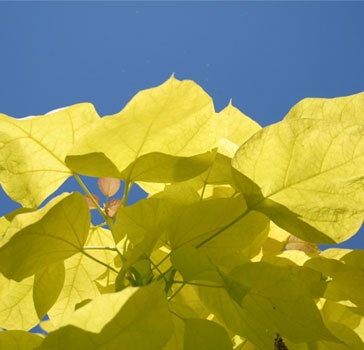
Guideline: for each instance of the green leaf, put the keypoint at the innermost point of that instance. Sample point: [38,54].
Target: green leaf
[135,318]
[49,235]
[163,134]
[310,177]
[48,284]
[19,340]
[204,334]
[33,150]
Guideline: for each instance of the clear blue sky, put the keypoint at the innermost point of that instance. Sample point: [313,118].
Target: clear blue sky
[266,56]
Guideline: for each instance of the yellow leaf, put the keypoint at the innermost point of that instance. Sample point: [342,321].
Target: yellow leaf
[17,309]
[235,125]
[164,132]
[347,108]
[81,273]
[46,236]
[33,150]
[310,175]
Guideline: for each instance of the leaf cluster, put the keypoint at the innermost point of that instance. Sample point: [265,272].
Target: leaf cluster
[222,254]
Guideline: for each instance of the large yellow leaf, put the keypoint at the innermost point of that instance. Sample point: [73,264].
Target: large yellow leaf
[81,272]
[310,175]
[135,318]
[33,150]
[46,236]
[348,108]
[164,134]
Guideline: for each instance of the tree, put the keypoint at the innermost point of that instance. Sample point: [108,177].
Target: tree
[222,254]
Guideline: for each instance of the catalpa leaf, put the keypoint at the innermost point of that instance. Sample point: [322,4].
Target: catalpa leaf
[261,300]
[347,108]
[235,125]
[135,318]
[81,274]
[307,176]
[33,150]
[46,236]
[205,335]
[164,134]
[48,284]
[17,309]
[19,340]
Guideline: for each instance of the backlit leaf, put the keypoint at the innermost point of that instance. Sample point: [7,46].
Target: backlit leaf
[127,318]
[347,108]
[310,174]
[17,309]
[33,150]
[164,134]
[48,236]
[81,272]
[48,283]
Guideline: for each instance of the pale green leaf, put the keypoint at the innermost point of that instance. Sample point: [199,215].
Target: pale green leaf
[310,175]
[48,283]
[46,237]
[135,318]
[164,134]
[33,150]
[347,108]
[17,309]
[19,340]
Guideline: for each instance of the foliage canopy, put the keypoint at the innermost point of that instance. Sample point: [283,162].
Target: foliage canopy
[222,254]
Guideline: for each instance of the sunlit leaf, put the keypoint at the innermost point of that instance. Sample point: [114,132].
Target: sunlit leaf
[348,108]
[81,274]
[127,318]
[58,233]
[310,174]
[235,125]
[163,132]
[33,150]
[17,309]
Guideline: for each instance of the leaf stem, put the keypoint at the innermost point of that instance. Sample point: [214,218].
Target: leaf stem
[198,284]
[99,261]
[88,193]
[127,187]
[208,239]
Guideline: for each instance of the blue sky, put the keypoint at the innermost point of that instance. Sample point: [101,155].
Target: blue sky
[266,56]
